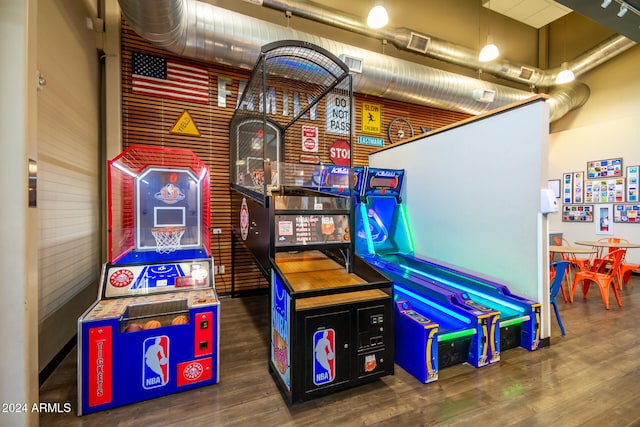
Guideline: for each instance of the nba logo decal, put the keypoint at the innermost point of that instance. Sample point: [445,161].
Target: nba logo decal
[155,362]
[170,194]
[324,363]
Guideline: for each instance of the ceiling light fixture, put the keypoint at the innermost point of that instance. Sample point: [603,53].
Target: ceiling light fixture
[623,10]
[378,16]
[489,52]
[605,3]
[565,75]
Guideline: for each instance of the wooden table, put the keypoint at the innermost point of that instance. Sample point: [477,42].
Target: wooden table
[616,245]
[570,249]
[610,245]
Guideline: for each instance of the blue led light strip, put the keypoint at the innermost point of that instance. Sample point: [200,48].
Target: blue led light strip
[466,289]
[432,304]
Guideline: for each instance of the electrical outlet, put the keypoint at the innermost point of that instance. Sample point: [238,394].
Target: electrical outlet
[217,231]
[215,269]
[221,269]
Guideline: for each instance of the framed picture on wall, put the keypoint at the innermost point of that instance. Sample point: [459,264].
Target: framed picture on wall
[604,168]
[578,185]
[567,188]
[577,213]
[604,219]
[627,213]
[604,190]
[632,183]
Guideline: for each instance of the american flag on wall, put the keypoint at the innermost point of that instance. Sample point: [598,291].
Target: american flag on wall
[156,76]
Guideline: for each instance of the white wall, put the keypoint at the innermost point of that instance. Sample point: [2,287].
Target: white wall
[69,171]
[19,225]
[473,197]
[607,126]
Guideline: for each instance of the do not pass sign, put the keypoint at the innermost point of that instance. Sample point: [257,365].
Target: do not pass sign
[340,153]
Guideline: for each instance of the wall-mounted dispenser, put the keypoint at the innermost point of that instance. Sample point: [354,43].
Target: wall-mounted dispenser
[548,203]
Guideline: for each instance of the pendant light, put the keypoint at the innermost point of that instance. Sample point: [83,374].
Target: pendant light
[490,51]
[565,75]
[378,16]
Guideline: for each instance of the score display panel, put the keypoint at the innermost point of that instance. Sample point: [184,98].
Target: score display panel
[383,182]
[378,182]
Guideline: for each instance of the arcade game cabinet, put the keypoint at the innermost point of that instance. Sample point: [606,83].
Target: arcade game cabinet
[435,326]
[154,329]
[331,313]
[501,319]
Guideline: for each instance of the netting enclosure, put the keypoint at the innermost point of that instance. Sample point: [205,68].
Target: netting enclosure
[292,120]
[158,205]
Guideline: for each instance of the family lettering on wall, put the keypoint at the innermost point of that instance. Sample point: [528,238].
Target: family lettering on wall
[337,106]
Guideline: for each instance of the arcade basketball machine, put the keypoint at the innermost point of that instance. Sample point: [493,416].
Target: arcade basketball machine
[331,313]
[154,329]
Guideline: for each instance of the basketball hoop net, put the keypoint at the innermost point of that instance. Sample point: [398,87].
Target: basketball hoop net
[167,239]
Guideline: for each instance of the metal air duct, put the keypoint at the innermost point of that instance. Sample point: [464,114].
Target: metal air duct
[205,32]
[408,39]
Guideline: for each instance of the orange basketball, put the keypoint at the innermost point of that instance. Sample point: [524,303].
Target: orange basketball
[152,324]
[180,320]
[132,327]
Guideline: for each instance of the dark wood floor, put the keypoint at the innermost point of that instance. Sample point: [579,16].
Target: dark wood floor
[590,377]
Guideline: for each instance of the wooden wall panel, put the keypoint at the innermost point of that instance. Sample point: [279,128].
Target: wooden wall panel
[148,120]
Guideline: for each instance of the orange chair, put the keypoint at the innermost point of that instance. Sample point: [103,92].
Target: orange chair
[581,264]
[626,270]
[602,276]
[602,253]
[575,263]
[601,249]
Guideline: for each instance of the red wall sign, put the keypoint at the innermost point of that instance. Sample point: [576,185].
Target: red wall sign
[340,153]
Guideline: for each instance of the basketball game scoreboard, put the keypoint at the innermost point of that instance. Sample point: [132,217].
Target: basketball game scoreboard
[154,329]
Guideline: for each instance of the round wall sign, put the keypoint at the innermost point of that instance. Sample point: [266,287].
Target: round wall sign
[340,153]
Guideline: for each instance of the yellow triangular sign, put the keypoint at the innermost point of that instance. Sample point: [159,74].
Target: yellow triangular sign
[186,125]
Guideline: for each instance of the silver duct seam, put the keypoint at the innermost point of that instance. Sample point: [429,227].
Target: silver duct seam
[453,53]
[205,32]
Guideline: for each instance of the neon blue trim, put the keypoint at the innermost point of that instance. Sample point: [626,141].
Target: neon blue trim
[468,290]
[432,304]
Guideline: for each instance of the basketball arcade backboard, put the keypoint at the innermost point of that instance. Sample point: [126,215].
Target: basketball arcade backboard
[158,206]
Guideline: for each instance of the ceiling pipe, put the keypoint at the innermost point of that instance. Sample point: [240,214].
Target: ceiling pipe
[452,53]
[205,32]
[567,97]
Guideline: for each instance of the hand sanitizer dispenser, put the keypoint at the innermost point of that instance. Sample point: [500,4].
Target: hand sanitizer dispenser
[548,203]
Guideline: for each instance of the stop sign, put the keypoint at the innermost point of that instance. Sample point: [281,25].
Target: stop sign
[340,153]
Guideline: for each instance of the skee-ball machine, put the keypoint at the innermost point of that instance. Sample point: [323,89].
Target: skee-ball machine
[384,239]
[435,326]
[154,329]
